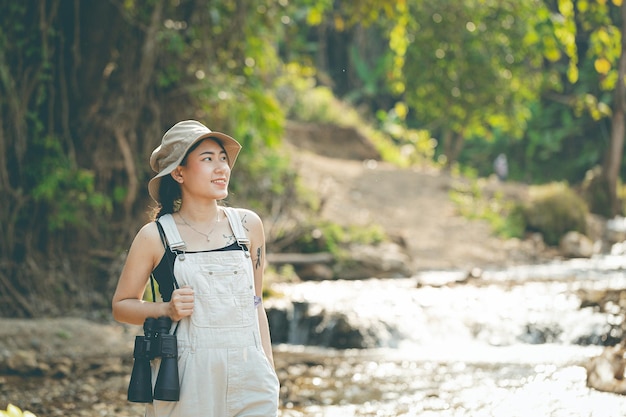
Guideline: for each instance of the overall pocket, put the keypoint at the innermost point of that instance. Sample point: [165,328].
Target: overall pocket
[224,297]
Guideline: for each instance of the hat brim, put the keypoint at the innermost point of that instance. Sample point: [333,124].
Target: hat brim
[230,145]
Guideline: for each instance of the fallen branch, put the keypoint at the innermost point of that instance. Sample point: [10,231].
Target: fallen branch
[300,258]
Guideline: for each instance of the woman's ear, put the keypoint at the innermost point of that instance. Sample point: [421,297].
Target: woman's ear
[177,175]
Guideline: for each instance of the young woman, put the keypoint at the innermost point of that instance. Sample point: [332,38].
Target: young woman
[225,361]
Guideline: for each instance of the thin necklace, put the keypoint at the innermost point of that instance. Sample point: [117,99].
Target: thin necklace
[207,235]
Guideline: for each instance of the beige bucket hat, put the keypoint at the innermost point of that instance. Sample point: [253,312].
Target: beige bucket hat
[175,145]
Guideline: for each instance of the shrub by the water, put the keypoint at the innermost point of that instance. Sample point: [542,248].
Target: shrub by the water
[553,210]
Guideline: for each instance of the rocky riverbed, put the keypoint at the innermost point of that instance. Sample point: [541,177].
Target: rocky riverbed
[508,355]
[513,342]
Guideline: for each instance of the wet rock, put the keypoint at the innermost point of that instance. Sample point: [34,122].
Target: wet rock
[61,368]
[606,372]
[279,323]
[314,272]
[387,260]
[304,319]
[24,362]
[616,230]
[472,276]
[303,323]
[384,260]
[576,245]
[535,334]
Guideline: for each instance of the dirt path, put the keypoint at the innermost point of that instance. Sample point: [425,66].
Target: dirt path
[410,203]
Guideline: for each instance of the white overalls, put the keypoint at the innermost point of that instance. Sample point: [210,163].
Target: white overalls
[222,367]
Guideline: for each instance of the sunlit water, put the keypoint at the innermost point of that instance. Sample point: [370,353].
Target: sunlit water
[507,344]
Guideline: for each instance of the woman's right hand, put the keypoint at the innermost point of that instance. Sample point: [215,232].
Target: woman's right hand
[181,304]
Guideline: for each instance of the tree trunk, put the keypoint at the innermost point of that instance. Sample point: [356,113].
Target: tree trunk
[459,142]
[613,159]
[446,139]
[452,145]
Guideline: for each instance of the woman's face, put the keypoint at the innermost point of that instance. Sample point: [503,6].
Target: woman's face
[206,172]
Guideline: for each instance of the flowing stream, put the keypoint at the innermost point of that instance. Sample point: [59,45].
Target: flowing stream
[511,343]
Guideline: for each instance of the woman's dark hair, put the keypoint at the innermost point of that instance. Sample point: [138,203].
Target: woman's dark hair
[169,190]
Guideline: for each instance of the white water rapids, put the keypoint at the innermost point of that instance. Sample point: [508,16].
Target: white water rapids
[506,344]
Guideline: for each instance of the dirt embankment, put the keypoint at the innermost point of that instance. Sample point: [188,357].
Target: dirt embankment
[412,204]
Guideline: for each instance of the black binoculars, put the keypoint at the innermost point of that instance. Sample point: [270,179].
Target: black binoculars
[156,342]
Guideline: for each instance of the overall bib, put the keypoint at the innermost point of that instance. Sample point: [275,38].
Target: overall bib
[222,367]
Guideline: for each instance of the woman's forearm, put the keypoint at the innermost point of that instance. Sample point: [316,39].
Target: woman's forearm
[133,311]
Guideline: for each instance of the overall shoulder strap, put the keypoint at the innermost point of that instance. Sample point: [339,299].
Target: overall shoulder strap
[235,224]
[242,238]
[174,241]
[169,233]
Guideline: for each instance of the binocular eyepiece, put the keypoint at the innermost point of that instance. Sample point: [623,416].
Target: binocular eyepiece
[156,342]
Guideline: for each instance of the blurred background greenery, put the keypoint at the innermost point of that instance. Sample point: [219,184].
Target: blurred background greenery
[87,89]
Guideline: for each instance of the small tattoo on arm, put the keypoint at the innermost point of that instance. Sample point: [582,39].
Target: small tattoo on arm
[229,239]
[244,221]
[258,258]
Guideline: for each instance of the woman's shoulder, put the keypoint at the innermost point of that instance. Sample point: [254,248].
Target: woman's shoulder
[147,244]
[149,233]
[149,229]
[245,214]
[249,219]
[244,211]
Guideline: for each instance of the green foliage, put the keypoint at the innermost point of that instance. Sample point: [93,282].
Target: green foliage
[66,191]
[621,195]
[501,213]
[15,411]
[416,146]
[396,142]
[319,106]
[558,144]
[469,67]
[305,101]
[553,210]
[600,28]
[595,192]
[372,78]
[415,69]
[264,177]
[365,70]
[513,225]
[63,334]
[325,236]
[564,28]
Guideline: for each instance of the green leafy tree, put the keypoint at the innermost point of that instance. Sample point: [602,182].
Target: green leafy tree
[598,86]
[86,91]
[472,68]
[607,22]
